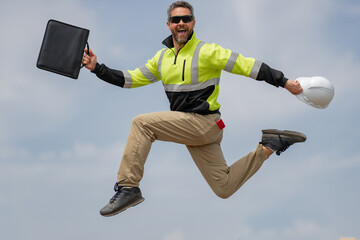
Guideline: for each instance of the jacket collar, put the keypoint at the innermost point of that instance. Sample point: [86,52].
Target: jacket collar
[168,42]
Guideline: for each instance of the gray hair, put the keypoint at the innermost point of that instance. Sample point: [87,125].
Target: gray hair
[177,4]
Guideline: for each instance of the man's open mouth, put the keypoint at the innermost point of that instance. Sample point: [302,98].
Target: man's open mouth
[181,32]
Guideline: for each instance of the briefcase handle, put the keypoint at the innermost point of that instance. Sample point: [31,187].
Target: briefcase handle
[88,50]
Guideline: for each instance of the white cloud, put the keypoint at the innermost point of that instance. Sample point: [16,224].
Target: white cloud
[292,37]
[298,230]
[67,165]
[354,10]
[31,97]
[304,229]
[176,235]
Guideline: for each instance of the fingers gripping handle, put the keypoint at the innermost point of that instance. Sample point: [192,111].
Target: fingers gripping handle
[88,50]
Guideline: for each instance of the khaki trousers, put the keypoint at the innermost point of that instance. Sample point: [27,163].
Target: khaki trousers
[202,137]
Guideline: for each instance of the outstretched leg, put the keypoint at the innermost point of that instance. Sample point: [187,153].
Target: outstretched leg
[225,180]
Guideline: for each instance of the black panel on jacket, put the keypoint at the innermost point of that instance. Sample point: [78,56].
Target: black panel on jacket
[194,101]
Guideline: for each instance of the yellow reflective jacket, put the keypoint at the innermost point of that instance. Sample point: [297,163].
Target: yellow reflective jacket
[191,77]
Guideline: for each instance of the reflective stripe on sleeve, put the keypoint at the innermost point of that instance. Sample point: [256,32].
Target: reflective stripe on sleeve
[160,61]
[149,75]
[255,69]
[128,79]
[231,62]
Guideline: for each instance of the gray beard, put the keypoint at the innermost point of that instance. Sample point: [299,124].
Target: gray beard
[180,41]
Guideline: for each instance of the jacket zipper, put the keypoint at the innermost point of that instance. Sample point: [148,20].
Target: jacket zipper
[176,55]
[183,72]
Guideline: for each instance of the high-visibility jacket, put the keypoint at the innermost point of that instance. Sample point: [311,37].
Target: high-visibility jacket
[191,77]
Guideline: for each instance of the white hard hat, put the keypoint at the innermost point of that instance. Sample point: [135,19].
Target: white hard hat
[317,91]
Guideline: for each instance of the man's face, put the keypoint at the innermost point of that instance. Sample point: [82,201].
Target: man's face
[181,31]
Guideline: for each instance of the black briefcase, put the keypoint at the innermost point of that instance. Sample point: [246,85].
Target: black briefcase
[62,48]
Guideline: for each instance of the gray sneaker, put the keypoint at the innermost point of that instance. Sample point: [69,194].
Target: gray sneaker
[280,140]
[122,200]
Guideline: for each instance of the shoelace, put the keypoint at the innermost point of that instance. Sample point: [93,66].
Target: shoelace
[284,147]
[117,192]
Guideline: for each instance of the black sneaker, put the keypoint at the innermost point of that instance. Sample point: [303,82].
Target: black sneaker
[123,199]
[280,140]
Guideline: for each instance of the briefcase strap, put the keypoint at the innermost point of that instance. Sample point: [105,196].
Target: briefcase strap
[88,50]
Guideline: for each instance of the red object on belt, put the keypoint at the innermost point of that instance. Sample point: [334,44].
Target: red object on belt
[220,123]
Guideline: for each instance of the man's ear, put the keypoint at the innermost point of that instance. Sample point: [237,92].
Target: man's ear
[168,24]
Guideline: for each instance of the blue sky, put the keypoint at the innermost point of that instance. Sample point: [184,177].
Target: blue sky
[61,140]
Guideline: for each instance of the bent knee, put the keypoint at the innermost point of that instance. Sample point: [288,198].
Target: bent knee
[223,193]
[138,119]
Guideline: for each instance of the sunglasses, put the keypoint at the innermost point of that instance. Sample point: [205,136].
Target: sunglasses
[185,19]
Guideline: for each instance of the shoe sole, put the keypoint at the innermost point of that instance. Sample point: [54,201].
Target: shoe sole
[132,204]
[297,136]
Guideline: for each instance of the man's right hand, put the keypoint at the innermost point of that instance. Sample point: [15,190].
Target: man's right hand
[89,59]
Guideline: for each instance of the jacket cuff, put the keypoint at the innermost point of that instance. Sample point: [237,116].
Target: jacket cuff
[96,69]
[283,81]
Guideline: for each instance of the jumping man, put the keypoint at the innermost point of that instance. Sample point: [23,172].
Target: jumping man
[190,72]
